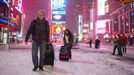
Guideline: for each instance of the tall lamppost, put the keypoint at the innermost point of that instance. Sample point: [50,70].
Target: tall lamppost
[94,7]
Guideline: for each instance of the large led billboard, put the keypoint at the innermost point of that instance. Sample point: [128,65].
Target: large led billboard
[58,11]
[101,26]
[58,4]
[101,7]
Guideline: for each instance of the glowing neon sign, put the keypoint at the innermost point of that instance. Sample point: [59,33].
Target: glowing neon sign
[18,5]
[5,1]
[6,22]
[101,7]
[58,4]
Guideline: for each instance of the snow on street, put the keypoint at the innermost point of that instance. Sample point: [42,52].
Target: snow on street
[18,62]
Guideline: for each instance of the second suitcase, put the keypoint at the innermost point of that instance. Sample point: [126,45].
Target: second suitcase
[64,53]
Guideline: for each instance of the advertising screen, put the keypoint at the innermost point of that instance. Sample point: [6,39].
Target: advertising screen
[59,12]
[101,7]
[101,26]
[58,5]
[58,17]
[58,22]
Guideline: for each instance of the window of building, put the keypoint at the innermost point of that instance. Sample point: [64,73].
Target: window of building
[122,24]
[133,4]
[116,24]
[131,21]
[126,24]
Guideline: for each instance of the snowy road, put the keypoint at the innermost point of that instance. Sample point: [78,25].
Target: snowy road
[18,62]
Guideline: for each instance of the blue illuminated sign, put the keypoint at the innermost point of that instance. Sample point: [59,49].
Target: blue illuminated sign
[58,4]
[6,22]
[59,12]
[58,22]
[1,1]
[58,17]
[4,1]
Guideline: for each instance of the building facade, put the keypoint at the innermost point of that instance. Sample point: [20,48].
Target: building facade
[84,18]
[4,6]
[121,17]
[10,21]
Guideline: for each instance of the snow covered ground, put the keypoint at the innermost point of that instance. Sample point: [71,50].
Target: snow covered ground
[85,61]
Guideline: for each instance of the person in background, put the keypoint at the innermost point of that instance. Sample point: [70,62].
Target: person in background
[124,42]
[115,45]
[97,43]
[119,42]
[68,40]
[39,29]
[131,40]
[90,43]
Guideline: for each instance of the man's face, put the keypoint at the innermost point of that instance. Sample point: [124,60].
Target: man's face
[41,15]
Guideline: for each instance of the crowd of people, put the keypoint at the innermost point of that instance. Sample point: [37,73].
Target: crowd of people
[119,41]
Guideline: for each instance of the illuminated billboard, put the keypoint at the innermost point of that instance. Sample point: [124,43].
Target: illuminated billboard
[59,12]
[101,26]
[17,4]
[4,1]
[6,23]
[58,4]
[101,7]
[58,22]
[58,17]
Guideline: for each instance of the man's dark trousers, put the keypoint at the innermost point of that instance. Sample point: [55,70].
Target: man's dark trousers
[42,48]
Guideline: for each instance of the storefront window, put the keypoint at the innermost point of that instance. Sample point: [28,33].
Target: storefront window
[126,24]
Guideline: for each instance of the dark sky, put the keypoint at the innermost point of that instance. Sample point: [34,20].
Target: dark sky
[70,16]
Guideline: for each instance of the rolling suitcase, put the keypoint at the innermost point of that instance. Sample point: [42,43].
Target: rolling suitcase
[64,53]
[49,55]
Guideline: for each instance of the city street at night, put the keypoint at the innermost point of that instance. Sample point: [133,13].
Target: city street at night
[84,61]
[77,37]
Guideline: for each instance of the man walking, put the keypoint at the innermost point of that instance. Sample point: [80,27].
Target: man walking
[39,28]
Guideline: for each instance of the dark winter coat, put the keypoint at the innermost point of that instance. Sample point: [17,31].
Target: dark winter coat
[39,30]
[97,43]
[70,39]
